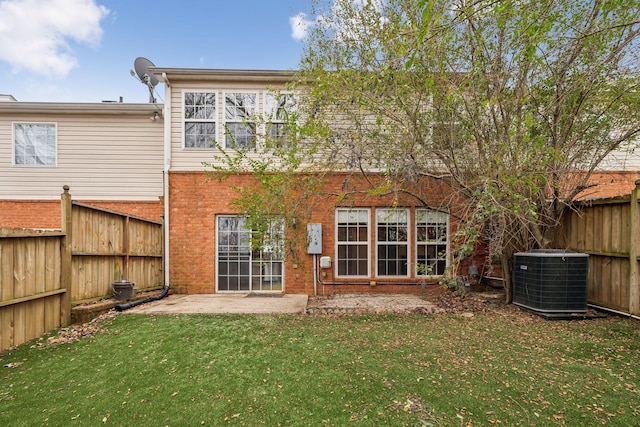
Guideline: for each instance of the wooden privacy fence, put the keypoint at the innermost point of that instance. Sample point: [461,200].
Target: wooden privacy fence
[44,273]
[609,231]
[31,290]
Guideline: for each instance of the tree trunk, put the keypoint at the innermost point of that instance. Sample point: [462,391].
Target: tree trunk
[507,273]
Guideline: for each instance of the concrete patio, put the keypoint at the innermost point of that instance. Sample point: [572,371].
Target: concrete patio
[287,303]
[224,304]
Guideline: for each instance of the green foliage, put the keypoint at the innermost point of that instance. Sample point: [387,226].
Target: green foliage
[516,103]
[513,104]
[306,370]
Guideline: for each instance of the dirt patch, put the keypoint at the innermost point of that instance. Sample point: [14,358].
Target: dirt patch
[370,303]
[77,331]
[439,302]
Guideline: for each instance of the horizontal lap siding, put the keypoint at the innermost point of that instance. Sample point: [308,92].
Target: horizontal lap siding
[191,159]
[101,157]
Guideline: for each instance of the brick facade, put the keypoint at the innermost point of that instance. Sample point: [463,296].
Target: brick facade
[196,199]
[45,214]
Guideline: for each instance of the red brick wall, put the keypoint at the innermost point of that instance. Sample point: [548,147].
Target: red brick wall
[196,199]
[46,213]
[29,214]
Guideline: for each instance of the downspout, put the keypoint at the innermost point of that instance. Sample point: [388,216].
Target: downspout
[167,166]
[165,192]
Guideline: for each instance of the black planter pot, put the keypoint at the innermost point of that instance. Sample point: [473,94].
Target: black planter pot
[123,290]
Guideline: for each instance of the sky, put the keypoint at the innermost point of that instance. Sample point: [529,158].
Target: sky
[84,50]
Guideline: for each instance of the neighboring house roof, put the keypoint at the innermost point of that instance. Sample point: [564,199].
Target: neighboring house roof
[609,184]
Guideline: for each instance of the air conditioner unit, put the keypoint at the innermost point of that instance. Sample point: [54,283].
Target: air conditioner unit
[551,281]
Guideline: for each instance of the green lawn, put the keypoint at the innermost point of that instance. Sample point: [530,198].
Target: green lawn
[510,370]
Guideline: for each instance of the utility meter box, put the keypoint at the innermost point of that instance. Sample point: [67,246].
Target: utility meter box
[325,262]
[314,239]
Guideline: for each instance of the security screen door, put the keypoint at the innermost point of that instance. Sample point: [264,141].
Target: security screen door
[241,268]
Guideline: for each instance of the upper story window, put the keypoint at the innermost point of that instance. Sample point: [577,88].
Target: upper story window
[431,240]
[199,119]
[278,108]
[35,144]
[392,243]
[352,242]
[239,115]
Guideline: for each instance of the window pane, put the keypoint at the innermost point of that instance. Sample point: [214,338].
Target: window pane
[239,106]
[200,105]
[279,106]
[35,144]
[431,237]
[241,269]
[240,135]
[199,135]
[352,242]
[199,116]
[392,242]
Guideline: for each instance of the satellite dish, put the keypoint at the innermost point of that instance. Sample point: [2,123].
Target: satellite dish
[141,65]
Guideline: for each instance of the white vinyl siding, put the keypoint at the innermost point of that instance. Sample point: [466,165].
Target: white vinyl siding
[100,157]
[183,159]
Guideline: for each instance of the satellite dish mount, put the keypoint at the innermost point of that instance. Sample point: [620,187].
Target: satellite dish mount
[146,77]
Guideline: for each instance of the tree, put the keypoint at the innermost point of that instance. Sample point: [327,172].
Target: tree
[513,104]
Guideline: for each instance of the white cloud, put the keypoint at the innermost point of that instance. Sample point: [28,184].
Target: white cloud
[35,34]
[300,26]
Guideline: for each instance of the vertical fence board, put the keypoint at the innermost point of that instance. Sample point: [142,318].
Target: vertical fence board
[111,246]
[616,228]
[6,327]
[43,273]
[605,230]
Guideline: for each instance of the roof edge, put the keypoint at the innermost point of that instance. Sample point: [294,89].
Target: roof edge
[105,108]
[171,74]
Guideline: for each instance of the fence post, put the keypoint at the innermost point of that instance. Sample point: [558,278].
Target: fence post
[634,284]
[66,258]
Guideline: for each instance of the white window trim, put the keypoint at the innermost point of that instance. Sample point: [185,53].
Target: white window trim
[416,243]
[183,120]
[410,259]
[13,144]
[368,243]
[223,113]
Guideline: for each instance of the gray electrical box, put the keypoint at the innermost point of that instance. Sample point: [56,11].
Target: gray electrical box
[314,239]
